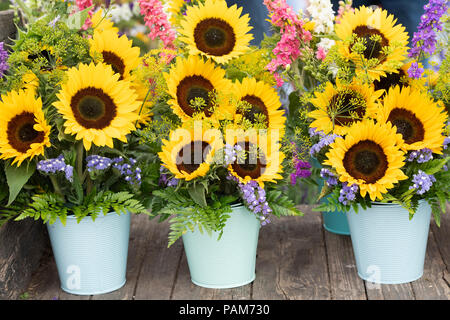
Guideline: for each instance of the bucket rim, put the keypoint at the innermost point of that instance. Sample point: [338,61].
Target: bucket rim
[383,204]
[100,216]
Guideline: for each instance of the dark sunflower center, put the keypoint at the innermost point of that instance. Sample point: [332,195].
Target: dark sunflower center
[257,110]
[191,88]
[192,155]
[373,48]
[215,37]
[347,108]
[407,124]
[115,62]
[253,165]
[366,160]
[46,55]
[391,80]
[93,108]
[21,134]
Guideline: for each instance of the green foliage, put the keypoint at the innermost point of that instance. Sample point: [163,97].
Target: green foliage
[281,205]
[187,214]
[17,177]
[49,206]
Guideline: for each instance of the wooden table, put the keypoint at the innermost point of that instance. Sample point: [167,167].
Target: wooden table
[297,259]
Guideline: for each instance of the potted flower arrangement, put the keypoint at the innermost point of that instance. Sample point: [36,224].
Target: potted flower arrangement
[224,159]
[384,144]
[70,107]
[300,44]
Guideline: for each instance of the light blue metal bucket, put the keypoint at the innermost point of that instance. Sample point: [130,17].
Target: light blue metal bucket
[91,256]
[389,248]
[229,262]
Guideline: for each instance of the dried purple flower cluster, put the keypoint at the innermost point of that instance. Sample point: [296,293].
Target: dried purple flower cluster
[54,166]
[302,170]
[329,177]
[255,198]
[421,156]
[130,172]
[164,179]
[325,140]
[348,193]
[422,182]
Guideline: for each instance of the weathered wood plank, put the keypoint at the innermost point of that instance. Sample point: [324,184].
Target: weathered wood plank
[432,285]
[300,266]
[344,279]
[266,284]
[22,246]
[45,284]
[140,235]
[184,289]
[389,291]
[7,27]
[240,293]
[159,265]
[441,235]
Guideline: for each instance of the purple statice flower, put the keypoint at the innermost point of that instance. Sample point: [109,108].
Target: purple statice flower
[172,182]
[425,39]
[98,163]
[54,166]
[414,71]
[421,156]
[422,182]
[302,170]
[255,198]
[130,172]
[446,142]
[323,142]
[164,179]
[314,132]
[329,177]
[348,193]
[3,60]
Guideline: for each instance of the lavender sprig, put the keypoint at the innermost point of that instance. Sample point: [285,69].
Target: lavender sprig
[3,60]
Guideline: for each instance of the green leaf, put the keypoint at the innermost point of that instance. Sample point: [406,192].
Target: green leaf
[77,20]
[197,192]
[17,177]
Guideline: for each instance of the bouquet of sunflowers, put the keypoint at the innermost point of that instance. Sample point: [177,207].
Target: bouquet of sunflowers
[70,109]
[227,142]
[378,125]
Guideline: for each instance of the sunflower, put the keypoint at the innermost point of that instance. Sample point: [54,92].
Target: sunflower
[116,51]
[262,104]
[369,157]
[24,132]
[420,121]
[216,31]
[174,9]
[341,106]
[192,78]
[260,161]
[398,78]
[101,23]
[96,105]
[30,82]
[367,24]
[187,154]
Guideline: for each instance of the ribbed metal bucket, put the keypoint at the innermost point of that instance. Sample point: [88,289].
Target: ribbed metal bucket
[91,256]
[229,262]
[389,248]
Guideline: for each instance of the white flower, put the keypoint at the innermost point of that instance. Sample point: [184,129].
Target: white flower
[121,13]
[326,43]
[322,14]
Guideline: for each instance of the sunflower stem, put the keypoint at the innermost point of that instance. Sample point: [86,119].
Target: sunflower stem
[79,161]
[56,186]
[143,103]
